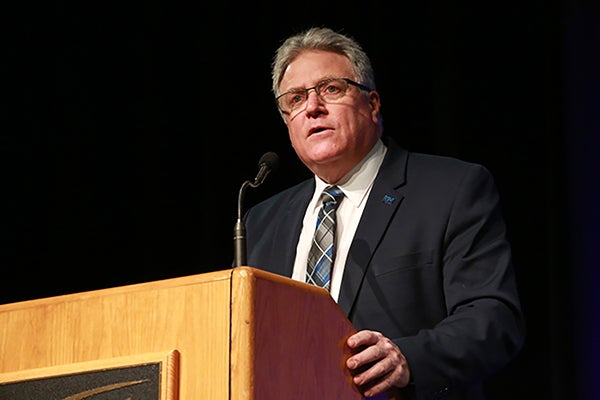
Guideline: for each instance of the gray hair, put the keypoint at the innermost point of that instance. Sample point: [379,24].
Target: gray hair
[327,40]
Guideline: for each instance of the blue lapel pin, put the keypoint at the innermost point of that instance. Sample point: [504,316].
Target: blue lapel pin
[387,199]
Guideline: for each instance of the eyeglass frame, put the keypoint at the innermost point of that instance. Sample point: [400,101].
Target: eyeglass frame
[305,90]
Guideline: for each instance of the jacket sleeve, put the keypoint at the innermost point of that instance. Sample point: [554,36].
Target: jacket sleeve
[484,327]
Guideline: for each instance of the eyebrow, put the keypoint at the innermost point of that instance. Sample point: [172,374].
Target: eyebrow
[299,88]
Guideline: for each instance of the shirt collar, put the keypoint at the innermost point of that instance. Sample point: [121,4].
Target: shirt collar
[356,183]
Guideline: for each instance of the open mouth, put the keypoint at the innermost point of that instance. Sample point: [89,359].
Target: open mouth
[317,130]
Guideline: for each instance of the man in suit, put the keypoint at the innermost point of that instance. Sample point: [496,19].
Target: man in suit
[422,266]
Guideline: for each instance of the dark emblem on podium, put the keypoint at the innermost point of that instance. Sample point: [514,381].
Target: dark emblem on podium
[129,382]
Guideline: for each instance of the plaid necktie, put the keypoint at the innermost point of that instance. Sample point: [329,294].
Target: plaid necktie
[322,251]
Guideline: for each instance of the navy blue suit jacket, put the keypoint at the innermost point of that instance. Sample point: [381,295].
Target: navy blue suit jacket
[429,266]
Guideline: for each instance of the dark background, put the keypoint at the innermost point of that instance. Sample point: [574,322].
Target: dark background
[132,126]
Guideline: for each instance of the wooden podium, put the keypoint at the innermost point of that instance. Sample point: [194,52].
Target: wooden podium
[238,334]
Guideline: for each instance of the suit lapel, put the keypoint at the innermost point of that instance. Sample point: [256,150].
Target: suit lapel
[381,206]
[288,230]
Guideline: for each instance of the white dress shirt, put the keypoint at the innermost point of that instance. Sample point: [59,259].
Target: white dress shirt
[356,186]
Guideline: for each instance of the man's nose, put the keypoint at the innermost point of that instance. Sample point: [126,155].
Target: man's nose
[313,99]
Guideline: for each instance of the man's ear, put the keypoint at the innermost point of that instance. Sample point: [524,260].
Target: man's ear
[374,101]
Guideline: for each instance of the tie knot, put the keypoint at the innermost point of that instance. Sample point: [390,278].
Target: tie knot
[331,196]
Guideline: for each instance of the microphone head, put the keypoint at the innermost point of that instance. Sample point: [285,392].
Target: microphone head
[267,163]
[269,160]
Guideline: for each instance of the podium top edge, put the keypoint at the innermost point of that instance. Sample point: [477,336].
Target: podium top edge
[245,274]
[253,273]
[142,286]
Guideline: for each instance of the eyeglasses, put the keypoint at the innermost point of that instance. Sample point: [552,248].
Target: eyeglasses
[330,91]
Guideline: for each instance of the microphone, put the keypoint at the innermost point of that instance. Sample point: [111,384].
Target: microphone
[267,163]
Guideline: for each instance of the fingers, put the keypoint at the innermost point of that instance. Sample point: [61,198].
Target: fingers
[363,338]
[368,347]
[377,364]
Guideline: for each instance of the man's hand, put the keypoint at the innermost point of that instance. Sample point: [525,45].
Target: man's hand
[377,364]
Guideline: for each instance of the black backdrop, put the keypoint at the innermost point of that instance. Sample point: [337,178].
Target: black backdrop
[132,127]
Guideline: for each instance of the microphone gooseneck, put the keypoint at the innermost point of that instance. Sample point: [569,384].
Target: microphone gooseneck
[267,163]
